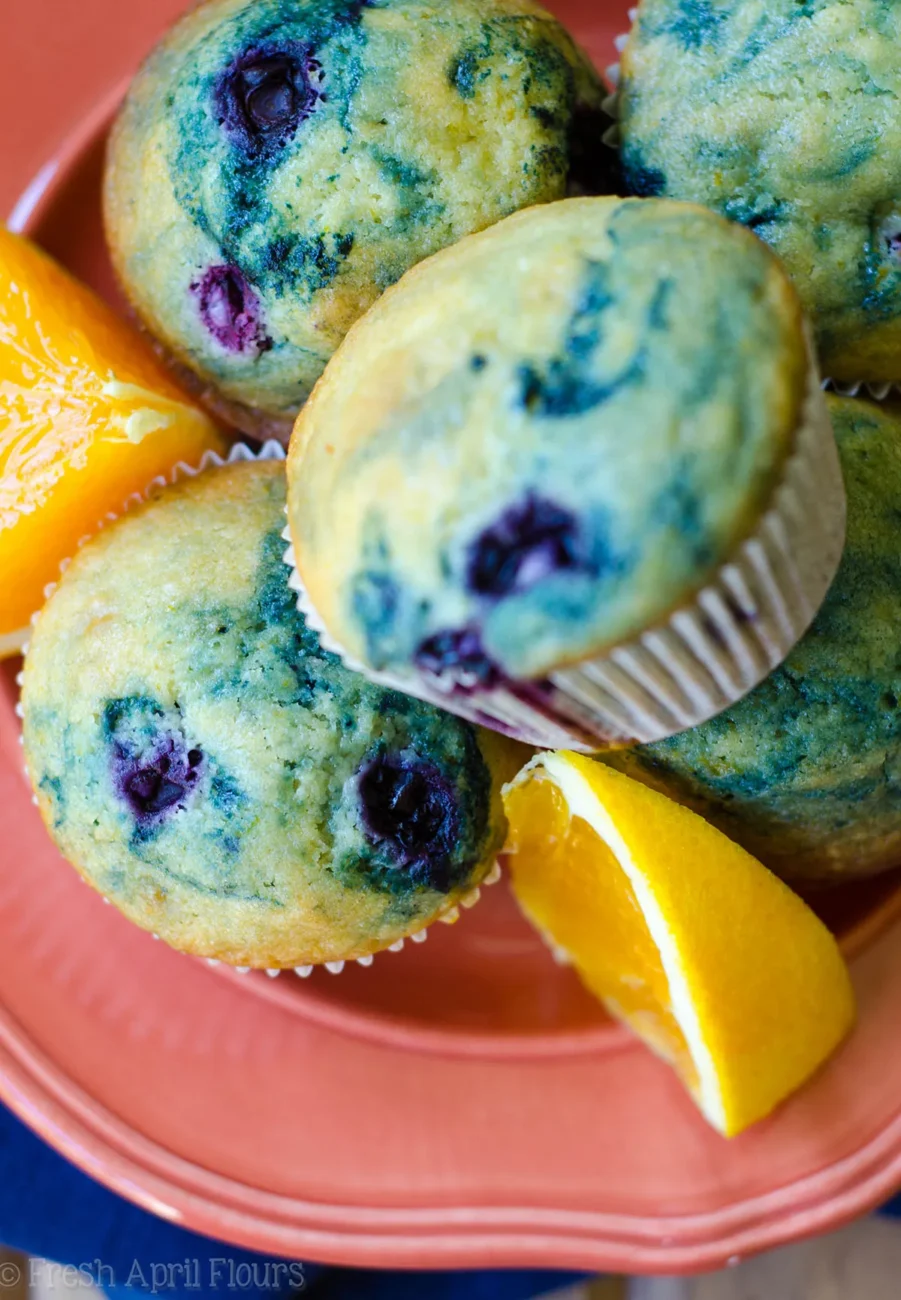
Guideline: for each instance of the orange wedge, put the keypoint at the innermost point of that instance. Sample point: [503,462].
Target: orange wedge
[88,417]
[706,955]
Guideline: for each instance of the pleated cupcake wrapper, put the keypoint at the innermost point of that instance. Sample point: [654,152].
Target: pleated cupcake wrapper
[705,656]
[448,917]
[880,392]
[877,391]
[610,105]
[240,452]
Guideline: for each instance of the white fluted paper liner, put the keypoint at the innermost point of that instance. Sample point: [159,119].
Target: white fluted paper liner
[877,392]
[706,655]
[447,917]
[610,105]
[488,709]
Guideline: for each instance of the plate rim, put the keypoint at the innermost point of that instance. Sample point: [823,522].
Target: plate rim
[466,1236]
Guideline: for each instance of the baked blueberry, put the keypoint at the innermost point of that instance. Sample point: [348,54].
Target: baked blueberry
[263,97]
[153,770]
[411,809]
[530,541]
[458,653]
[230,310]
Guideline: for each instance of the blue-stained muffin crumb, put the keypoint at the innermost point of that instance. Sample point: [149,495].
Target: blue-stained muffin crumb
[694,23]
[569,385]
[783,116]
[595,401]
[638,178]
[806,771]
[280,163]
[214,757]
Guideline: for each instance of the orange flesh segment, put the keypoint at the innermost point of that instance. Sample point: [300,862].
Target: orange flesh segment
[593,914]
[708,956]
[88,417]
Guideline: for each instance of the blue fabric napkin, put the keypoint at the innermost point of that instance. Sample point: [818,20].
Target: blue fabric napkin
[50,1209]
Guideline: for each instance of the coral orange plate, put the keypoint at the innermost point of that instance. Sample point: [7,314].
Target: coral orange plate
[463,1103]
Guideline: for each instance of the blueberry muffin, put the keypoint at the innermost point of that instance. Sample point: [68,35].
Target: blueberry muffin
[541,444]
[806,772]
[785,117]
[279,163]
[215,774]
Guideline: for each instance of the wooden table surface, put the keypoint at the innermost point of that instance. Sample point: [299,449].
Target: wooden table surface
[862,1262]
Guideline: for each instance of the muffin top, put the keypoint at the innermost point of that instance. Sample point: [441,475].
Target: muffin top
[785,117]
[806,770]
[219,777]
[546,438]
[279,163]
